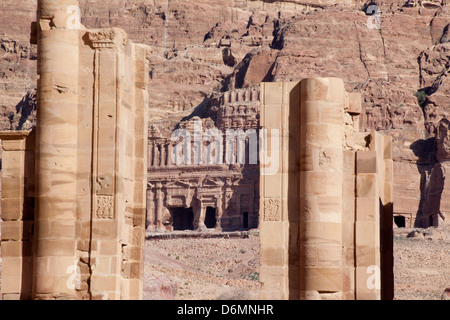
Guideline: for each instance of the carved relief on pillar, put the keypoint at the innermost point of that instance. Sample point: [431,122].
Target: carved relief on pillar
[105,207]
[271,210]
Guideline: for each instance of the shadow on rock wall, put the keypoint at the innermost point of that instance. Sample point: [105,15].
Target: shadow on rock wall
[432,181]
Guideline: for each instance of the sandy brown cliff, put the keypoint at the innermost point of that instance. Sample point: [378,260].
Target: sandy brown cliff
[207,46]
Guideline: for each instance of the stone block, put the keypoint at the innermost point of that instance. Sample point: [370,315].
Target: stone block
[16,249]
[321,232]
[308,254]
[103,265]
[132,253]
[327,279]
[272,256]
[64,135]
[366,185]
[388,193]
[322,135]
[330,208]
[388,171]
[14,144]
[366,233]
[109,247]
[348,187]
[367,255]
[138,236]
[12,230]
[329,255]
[272,93]
[336,91]
[11,284]
[273,280]
[131,269]
[311,111]
[348,256]
[13,164]
[271,118]
[11,296]
[131,289]
[313,183]
[58,247]
[332,113]
[12,209]
[354,103]
[367,282]
[11,266]
[272,233]
[100,283]
[272,186]
[44,284]
[57,229]
[314,89]
[367,209]
[366,162]
[12,187]
[105,230]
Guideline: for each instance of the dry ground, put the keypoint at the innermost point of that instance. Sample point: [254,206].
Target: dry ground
[421,268]
[212,268]
[207,269]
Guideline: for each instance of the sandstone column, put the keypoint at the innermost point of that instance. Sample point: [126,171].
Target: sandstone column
[159,205]
[91,158]
[321,178]
[326,208]
[56,162]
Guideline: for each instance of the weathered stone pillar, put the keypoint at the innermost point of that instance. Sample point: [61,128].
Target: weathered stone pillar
[159,206]
[321,178]
[279,273]
[163,155]
[219,212]
[199,217]
[326,208]
[150,209]
[56,148]
[169,154]
[91,159]
[155,155]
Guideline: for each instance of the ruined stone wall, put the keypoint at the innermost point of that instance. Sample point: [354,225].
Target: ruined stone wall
[326,214]
[17,216]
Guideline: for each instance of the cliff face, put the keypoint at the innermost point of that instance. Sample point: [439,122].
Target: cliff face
[206,46]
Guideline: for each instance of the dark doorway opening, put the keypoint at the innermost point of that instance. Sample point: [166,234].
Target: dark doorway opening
[245,220]
[210,218]
[183,218]
[400,221]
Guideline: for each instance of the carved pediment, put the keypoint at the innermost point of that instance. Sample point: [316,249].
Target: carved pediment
[180,184]
[212,182]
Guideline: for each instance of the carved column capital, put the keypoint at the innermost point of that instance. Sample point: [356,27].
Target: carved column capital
[107,38]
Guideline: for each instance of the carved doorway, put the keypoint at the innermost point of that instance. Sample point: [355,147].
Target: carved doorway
[210,218]
[183,218]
